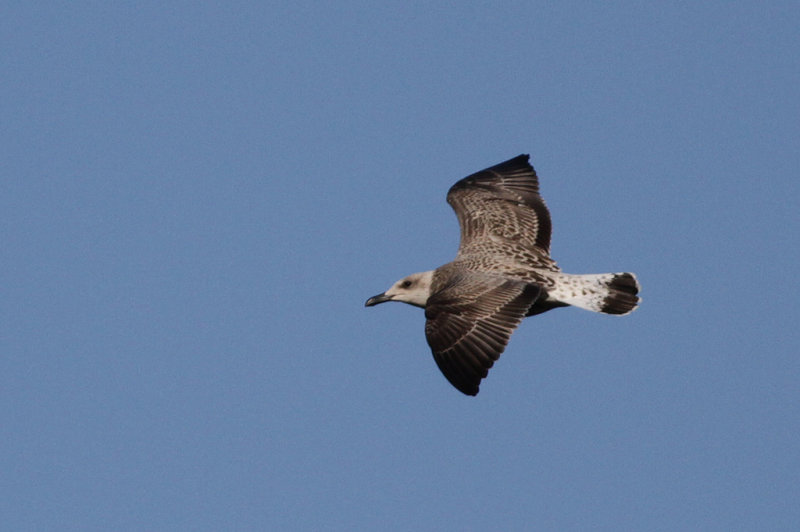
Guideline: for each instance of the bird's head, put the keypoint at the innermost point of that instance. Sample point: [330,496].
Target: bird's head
[414,290]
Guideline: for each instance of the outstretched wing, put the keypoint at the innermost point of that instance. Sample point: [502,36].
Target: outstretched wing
[469,323]
[501,203]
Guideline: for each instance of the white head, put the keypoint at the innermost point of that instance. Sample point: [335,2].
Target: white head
[414,290]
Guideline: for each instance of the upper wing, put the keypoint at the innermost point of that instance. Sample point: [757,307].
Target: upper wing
[502,202]
[469,323]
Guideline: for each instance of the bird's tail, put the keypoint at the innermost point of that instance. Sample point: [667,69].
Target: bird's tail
[609,293]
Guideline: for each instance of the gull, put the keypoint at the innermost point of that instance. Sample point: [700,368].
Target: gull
[502,273]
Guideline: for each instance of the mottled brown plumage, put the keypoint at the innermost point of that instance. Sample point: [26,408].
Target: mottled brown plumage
[502,273]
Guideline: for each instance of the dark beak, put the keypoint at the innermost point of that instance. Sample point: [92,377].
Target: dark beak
[380,298]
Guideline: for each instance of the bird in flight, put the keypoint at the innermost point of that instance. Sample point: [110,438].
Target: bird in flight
[502,273]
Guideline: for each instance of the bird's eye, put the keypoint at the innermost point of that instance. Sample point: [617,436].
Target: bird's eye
[406,284]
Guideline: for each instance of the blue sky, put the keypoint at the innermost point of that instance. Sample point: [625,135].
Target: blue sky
[197,198]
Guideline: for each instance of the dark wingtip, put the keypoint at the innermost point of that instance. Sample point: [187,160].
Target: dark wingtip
[472,391]
[520,162]
[516,165]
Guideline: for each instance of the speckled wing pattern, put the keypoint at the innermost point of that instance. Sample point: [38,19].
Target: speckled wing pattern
[503,218]
[469,322]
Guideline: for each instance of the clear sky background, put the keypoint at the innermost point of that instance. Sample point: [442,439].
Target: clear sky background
[197,198]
